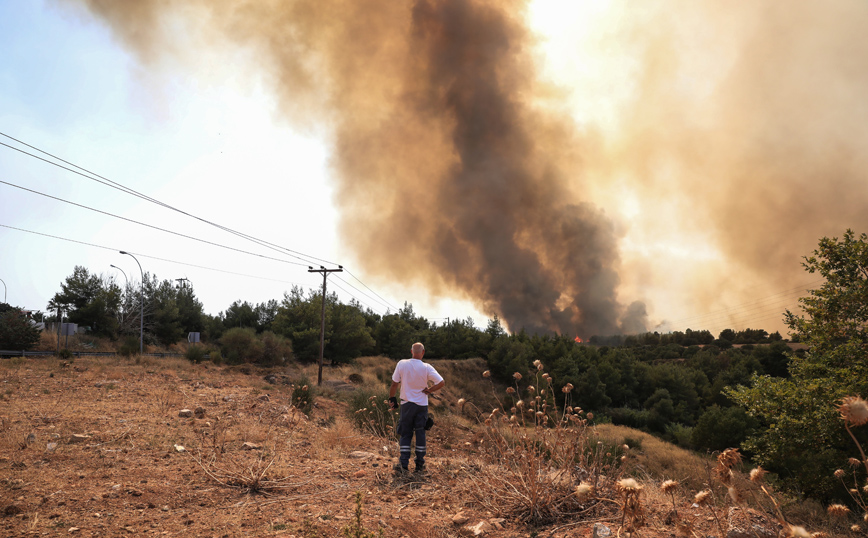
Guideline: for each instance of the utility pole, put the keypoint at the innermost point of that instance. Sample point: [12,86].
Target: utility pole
[325,273]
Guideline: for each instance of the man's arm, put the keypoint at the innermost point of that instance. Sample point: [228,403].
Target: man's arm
[434,388]
[393,390]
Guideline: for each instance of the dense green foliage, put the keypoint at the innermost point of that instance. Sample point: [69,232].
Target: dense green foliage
[17,332]
[801,436]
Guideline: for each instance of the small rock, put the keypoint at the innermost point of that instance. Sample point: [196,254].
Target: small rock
[31,438]
[227,398]
[134,492]
[361,455]
[250,446]
[601,531]
[179,448]
[165,508]
[73,529]
[480,529]
[51,447]
[54,436]
[78,438]
[264,398]
[359,474]
[185,413]
[460,519]
[199,412]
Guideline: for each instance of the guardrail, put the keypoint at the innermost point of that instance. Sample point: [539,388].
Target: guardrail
[5,353]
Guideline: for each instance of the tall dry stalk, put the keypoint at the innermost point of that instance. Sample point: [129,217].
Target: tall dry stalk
[534,454]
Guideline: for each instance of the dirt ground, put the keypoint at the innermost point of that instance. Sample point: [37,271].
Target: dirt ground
[97,448]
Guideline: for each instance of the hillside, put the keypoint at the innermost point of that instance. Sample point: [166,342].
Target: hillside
[97,448]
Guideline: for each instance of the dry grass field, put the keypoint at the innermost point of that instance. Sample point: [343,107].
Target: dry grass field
[98,447]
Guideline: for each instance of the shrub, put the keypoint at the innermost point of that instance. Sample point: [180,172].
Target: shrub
[302,395]
[16,331]
[129,347]
[276,349]
[369,411]
[240,344]
[195,354]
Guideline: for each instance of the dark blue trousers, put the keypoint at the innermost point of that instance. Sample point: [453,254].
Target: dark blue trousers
[413,418]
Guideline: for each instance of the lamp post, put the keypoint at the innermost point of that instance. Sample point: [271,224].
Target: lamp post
[142,311]
[4,290]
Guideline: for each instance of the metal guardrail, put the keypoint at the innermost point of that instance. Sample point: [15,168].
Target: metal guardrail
[5,353]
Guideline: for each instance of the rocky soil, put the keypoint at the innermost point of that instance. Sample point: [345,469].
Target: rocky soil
[91,448]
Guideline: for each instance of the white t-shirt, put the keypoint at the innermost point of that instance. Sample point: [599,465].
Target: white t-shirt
[413,375]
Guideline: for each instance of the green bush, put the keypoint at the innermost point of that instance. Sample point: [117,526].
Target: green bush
[195,354]
[240,345]
[16,331]
[129,347]
[302,395]
[276,350]
[721,428]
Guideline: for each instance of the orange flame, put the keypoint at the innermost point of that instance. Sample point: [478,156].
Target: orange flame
[579,340]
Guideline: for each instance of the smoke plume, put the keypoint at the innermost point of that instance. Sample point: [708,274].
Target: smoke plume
[688,152]
[452,174]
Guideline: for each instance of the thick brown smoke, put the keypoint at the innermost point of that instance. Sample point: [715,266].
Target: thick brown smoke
[451,174]
[719,142]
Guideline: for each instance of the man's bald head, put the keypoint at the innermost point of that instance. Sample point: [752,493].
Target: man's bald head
[418,350]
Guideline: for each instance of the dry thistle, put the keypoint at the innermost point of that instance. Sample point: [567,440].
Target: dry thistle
[854,410]
[838,510]
[735,494]
[632,517]
[584,490]
[628,484]
[854,462]
[510,390]
[590,416]
[486,373]
[519,404]
[516,376]
[538,364]
[794,531]
[566,389]
[702,497]
[729,458]
[855,528]
[531,389]
[461,402]
[669,487]
[839,473]
[757,474]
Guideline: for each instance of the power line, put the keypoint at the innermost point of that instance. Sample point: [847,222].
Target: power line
[387,303]
[150,257]
[149,225]
[115,185]
[779,300]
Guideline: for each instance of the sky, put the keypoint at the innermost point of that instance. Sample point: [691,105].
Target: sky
[688,154]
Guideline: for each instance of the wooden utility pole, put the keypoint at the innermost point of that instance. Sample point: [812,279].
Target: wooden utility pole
[325,273]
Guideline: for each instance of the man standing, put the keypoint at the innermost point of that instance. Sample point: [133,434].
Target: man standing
[413,376]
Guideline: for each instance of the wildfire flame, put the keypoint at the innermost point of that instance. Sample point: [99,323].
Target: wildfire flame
[579,340]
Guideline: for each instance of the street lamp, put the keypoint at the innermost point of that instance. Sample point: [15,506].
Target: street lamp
[122,272]
[4,290]
[142,311]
